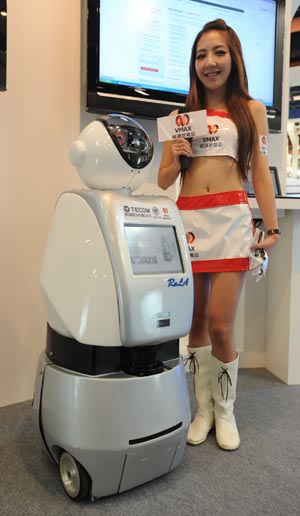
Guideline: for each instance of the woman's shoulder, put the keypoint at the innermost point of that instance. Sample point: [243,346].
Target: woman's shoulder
[259,114]
[257,108]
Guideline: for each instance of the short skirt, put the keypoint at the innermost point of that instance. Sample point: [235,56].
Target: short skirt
[219,230]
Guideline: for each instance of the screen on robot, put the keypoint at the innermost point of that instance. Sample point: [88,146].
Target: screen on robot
[153,249]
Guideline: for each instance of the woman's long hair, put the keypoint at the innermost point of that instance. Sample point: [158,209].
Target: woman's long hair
[237,95]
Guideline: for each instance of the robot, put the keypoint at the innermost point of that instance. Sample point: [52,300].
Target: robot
[110,400]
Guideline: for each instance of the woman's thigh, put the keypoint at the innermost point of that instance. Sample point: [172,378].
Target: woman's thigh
[226,288]
[201,294]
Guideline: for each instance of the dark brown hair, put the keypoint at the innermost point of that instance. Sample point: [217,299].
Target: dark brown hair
[237,95]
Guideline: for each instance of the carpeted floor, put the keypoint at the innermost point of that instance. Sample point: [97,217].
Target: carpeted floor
[262,478]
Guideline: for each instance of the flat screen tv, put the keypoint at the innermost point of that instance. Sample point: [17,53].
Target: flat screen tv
[138,52]
[3,16]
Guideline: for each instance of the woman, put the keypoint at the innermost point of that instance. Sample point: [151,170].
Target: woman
[215,210]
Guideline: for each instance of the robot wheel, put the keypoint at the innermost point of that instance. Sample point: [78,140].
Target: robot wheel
[74,478]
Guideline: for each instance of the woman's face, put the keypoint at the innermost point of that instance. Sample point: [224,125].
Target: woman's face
[213,60]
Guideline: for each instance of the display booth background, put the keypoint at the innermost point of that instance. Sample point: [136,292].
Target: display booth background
[42,112]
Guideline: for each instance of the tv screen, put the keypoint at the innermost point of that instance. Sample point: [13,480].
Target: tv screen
[3,16]
[153,249]
[139,52]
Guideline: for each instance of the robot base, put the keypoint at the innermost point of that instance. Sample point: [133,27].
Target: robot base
[112,432]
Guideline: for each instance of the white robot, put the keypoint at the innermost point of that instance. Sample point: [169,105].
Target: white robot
[111,399]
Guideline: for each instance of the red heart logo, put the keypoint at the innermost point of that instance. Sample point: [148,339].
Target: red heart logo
[213,129]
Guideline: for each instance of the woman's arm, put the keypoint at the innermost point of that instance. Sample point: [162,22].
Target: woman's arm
[169,168]
[261,177]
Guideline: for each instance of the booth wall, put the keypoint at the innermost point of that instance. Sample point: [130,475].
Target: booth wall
[39,118]
[41,114]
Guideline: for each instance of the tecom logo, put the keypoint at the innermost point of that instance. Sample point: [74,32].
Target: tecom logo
[182,120]
[136,209]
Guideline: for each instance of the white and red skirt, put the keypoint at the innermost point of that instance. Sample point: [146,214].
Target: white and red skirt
[219,230]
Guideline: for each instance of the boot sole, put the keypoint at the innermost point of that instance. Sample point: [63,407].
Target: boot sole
[195,443]
[228,448]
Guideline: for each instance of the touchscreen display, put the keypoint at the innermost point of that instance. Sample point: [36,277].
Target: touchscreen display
[153,249]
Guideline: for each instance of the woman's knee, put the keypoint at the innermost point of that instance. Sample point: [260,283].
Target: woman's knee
[220,333]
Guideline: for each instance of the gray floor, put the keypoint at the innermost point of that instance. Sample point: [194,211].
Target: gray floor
[261,478]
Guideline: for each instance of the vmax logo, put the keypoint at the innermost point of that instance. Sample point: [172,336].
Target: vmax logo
[213,129]
[181,283]
[182,120]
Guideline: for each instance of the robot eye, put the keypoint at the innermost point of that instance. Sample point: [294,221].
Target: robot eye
[130,139]
[133,145]
[121,136]
[138,142]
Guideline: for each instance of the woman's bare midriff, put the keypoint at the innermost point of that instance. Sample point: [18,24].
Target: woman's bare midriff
[211,174]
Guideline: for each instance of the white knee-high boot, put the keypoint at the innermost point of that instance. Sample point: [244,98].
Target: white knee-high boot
[224,380]
[204,418]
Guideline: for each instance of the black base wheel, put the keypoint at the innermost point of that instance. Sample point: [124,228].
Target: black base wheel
[74,478]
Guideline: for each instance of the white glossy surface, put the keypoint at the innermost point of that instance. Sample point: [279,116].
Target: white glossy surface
[77,278]
[100,164]
[87,279]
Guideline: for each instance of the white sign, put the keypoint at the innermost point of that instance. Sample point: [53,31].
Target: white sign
[182,125]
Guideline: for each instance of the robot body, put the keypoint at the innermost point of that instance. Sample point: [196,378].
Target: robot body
[123,430]
[111,401]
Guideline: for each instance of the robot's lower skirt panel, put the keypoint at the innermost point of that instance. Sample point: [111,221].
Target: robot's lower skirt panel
[124,430]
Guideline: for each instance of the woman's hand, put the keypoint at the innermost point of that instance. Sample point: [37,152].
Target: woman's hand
[170,165]
[181,147]
[268,243]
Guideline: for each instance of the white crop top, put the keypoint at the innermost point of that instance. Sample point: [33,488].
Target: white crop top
[221,138]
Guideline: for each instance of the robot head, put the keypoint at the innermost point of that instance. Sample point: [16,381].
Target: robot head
[112,152]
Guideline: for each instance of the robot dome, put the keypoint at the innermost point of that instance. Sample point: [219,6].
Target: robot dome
[112,153]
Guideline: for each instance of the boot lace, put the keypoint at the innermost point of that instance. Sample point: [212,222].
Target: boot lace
[193,365]
[223,374]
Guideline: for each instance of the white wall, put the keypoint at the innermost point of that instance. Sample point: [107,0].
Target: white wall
[40,116]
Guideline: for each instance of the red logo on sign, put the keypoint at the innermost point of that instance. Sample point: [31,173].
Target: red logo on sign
[213,129]
[165,210]
[182,120]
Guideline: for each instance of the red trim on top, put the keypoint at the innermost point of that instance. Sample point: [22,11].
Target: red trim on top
[199,202]
[223,265]
[215,112]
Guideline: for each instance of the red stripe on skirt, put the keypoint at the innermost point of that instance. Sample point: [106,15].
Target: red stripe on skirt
[200,202]
[223,265]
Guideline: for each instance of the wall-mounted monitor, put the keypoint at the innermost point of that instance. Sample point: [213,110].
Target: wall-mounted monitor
[3,25]
[138,52]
